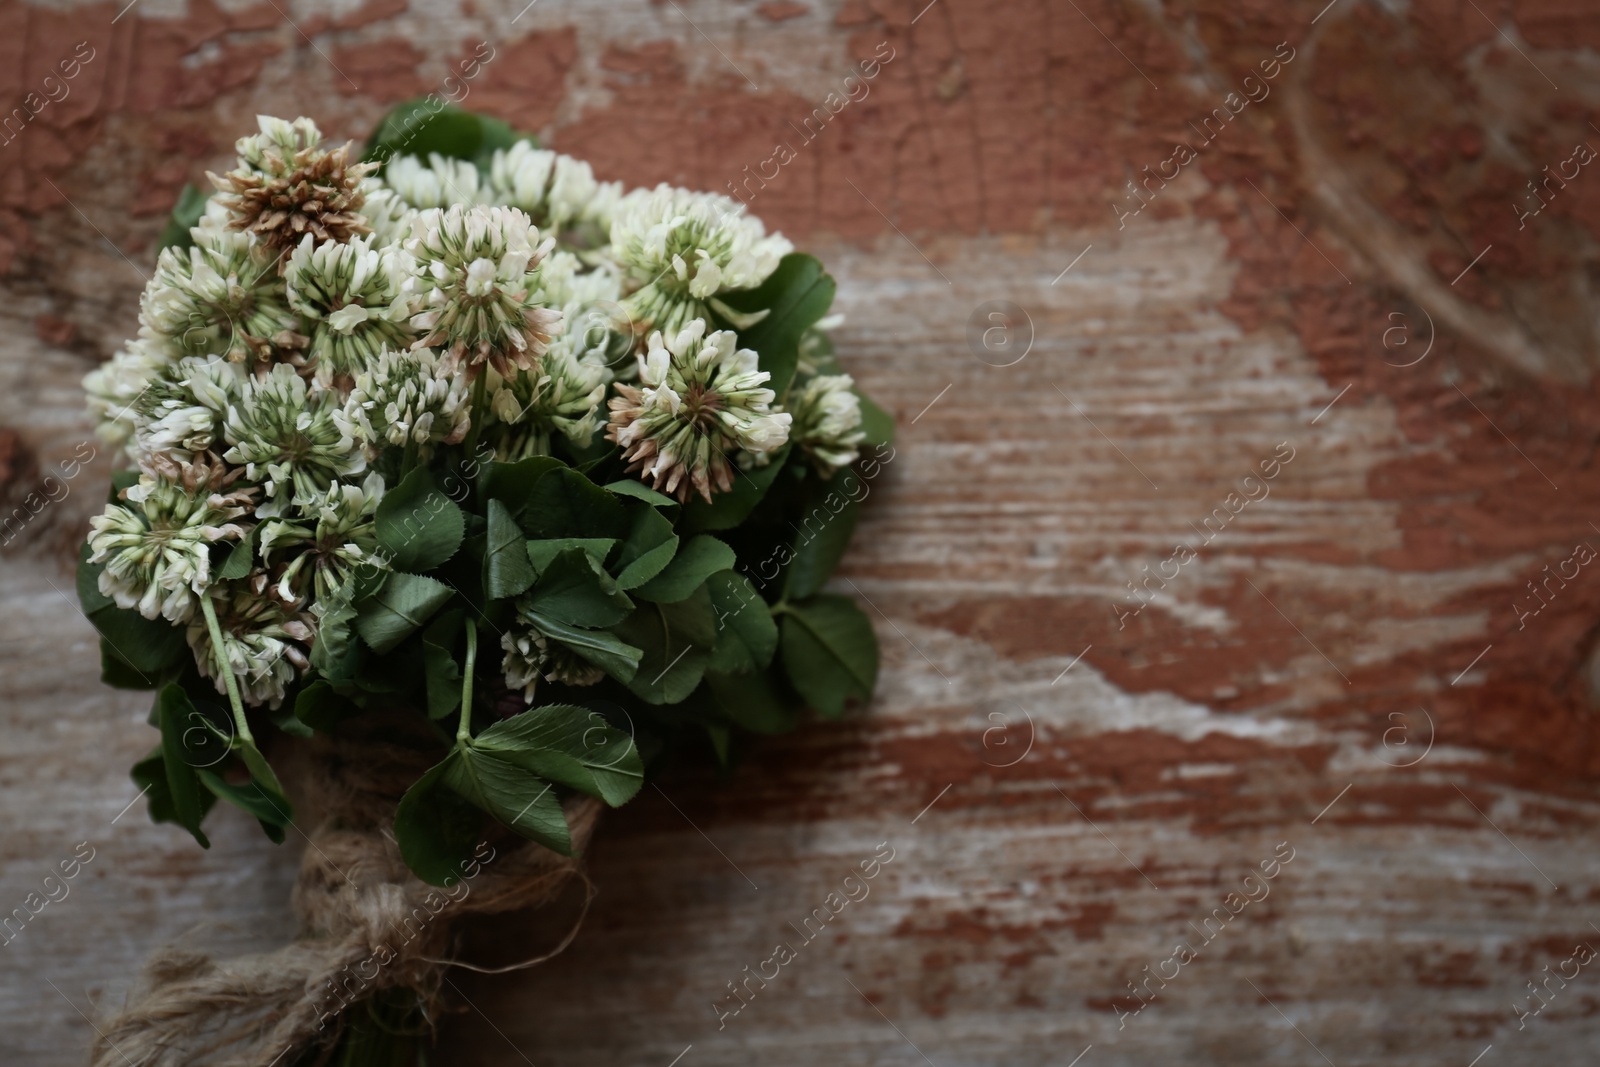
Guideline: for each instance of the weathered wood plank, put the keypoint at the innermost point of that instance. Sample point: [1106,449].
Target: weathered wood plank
[1254,701]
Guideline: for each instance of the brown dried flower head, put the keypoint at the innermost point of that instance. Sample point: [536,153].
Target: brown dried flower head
[204,475]
[286,186]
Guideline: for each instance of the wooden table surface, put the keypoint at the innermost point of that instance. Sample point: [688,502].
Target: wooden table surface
[1345,274]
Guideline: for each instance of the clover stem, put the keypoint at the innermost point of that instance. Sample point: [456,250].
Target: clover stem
[464,727]
[480,389]
[219,645]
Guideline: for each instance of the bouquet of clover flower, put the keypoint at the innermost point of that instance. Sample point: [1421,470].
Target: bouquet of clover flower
[469,488]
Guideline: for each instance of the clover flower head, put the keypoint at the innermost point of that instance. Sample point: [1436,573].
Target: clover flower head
[571,285]
[602,209]
[816,348]
[475,272]
[684,248]
[698,399]
[221,296]
[273,150]
[439,182]
[182,412]
[388,214]
[594,325]
[558,192]
[290,437]
[265,640]
[827,421]
[530,656]
[563,396]
[215,217]
[156,547]
[116,386]
[408,397]
[352,292]
[287,185]
[326,542]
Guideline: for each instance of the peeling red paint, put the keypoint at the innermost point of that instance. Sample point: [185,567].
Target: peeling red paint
[384,69]
[53,331]
[16,461]
[367,14]
[525,80]
[781,10]
[138,69]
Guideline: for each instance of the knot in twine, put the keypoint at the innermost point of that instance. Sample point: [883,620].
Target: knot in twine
[367,924]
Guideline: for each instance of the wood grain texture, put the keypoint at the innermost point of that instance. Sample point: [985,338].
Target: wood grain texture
[1068,796]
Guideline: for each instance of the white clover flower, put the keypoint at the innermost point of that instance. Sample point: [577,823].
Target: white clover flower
[440,182]
[530,656]
[602,211]
[683,248]
[182,413]
[157,547]
[408,397]
[558,192]
[697,400]
[221,296]
[352,292]
[215,218]
[564,396]
[120,383]
[827,421]
[816,348]
[290,437]
[333,536]
[286,185]
[570,284]
[272,151]
[388,214]
[594,324]
[265,640]
[475,271]
[519,177]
